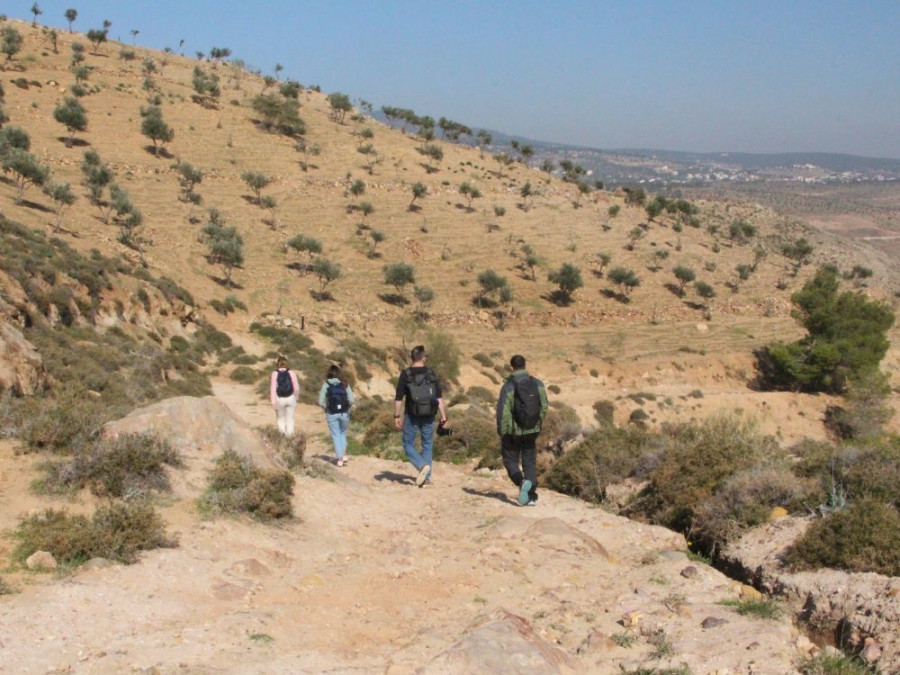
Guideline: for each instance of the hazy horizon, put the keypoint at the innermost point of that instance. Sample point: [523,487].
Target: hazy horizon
[685,76]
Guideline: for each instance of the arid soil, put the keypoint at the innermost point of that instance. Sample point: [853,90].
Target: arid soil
[376,575]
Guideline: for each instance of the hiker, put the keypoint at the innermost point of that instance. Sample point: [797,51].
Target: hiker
[335,398]
[521,409]
[419,387]
[284,390]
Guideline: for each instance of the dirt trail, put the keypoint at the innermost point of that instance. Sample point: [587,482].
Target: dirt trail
[376,575]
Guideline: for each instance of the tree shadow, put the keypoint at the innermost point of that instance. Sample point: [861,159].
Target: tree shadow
[74,142]
[226,283]
[491,494]
[558,298]
[394,299]
[321,296]
[597,273]
[34,205]
[483,302]
[373,255]
[158,152]
[694,305]
[615,295]
[428,168]
[395,478]
[674,289]
[414,208]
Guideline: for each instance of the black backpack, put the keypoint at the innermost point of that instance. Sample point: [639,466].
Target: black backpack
[526,403]
[283,385]
[336,400]
[422,390]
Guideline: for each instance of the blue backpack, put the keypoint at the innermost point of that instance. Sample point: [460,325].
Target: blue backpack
[284,386]
[336,399]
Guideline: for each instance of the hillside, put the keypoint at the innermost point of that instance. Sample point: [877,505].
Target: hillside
[447,245]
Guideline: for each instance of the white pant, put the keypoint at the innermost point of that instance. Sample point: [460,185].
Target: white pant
[284,412]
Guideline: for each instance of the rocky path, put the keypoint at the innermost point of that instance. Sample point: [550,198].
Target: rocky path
[376,575]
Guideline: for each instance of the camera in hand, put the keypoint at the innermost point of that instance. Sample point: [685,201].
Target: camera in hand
[444,429]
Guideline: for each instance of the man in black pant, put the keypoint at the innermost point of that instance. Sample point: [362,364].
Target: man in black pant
[521,409]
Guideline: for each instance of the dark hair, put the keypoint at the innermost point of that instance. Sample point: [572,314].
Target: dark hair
[334,370]
[282,362]
[417,353]
[517,362]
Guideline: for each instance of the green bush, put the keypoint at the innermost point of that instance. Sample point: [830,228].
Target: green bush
[236,485]
[606,456]
[697,461]
[846,339]
[865,537]
[115,467]
[117,531]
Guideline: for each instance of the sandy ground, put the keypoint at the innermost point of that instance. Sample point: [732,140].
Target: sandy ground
[373,575]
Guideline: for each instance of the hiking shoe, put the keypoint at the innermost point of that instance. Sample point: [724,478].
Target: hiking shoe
[340,462]
[423,474]
[531,502]
[523,492]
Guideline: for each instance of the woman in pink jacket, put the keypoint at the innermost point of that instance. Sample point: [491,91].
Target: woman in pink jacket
[284,390]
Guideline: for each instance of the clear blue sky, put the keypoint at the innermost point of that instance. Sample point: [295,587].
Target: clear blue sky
[700,75]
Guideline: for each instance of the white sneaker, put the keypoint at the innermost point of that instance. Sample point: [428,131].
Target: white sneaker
[423,474]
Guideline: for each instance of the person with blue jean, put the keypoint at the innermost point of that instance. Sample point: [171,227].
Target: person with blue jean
[416,403]
[336,398]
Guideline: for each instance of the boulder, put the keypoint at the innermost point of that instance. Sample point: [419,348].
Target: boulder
[505,643]
[21,366]
[201,429]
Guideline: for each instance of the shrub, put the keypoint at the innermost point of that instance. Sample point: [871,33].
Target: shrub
[481,395]
[236,485]
[560,425]
[290,449]
[826,663]
[604,411]
[474,435]
[865,537]
[244,375]
[116,467]
[766,608]
[860,470]
[484,359]
[65,424]
[381,437]
[744,501]
[365,410]
[698,460]
[606,456]
[117,531]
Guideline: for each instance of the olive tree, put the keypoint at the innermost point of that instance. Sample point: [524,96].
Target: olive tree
[71,114]
[568,280]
